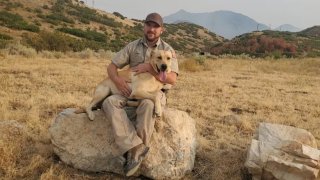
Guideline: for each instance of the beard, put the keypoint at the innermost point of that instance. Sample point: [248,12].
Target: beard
[151,37]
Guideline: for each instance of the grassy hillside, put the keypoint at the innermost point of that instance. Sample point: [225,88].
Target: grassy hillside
[227,98]
[273,43]
[69,25]
[313,31]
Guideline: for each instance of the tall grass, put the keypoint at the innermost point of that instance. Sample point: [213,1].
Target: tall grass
[226,97]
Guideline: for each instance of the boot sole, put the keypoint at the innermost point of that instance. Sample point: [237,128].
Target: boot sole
[135,168]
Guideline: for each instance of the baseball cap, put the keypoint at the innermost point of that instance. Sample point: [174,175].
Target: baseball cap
[154,17]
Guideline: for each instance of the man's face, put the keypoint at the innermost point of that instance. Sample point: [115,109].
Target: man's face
[152,31]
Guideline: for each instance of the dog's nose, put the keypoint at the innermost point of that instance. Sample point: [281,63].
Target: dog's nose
[163,67]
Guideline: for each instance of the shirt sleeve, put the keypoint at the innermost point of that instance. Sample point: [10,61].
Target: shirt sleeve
[174,62]
[122,57]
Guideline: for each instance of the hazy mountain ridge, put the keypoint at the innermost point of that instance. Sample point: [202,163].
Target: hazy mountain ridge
[287,27]
[224,23]
[74,26]
[227,24]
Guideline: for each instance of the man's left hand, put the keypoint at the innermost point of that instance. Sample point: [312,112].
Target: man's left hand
[141,68]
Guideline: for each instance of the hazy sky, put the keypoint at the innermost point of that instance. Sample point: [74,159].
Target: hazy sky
[300,13]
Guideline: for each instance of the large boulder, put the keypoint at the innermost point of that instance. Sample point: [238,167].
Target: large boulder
[283,152]
[89,145]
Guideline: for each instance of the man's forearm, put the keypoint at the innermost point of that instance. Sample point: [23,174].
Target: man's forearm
[112,71]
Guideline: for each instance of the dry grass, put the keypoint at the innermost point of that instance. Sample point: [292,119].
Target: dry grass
[227,98]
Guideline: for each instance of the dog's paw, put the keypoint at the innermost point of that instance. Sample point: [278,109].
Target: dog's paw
[90,115]
[158,112]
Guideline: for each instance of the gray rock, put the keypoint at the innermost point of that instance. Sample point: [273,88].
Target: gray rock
[89,145]
[283,152]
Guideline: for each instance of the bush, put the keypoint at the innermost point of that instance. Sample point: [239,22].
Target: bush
[90,35]
[38,11]
[59,17]
[200,60]
[119,15]
[15,21]
[5,37]
[11,5]
[105,54]
[190,65]
[86,54]
[46,54]
[3,44]
[18,49]
[47,41]
[45,6]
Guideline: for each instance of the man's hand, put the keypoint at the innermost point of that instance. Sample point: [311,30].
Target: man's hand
[142,68]
[118,81]
[122,86]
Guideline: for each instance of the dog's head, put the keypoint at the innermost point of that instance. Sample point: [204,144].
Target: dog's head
[161,62]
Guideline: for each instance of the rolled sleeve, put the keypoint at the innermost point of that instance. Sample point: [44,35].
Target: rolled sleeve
[174,65]
[174,61]
[122,57]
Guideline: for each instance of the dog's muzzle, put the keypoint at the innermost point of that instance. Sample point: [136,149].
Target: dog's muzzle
[163,67]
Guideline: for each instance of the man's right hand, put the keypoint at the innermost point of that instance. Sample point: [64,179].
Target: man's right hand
[122,86]
[120,82]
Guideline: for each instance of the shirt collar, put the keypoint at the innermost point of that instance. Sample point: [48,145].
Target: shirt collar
[144,42]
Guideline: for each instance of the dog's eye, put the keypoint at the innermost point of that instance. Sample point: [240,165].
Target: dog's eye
[159,57]
[168,58]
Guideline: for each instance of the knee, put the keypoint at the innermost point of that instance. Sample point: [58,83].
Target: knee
[147,103]
[113,101]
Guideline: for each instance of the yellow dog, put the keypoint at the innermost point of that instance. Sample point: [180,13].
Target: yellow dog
[143,86]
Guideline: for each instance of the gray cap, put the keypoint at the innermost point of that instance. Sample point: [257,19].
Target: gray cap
[154,17]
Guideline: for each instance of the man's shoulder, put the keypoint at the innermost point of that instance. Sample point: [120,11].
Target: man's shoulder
[135,42]
[165,45]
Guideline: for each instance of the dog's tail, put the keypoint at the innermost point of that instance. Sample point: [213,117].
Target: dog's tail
[80,110]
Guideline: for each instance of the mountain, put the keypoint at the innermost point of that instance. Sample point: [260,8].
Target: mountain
[70,25]
[224,23]
[287,27]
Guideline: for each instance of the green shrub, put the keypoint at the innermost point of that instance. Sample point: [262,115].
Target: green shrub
[11,5]
[3,43]
[5,37]
[200,60]
[85,21]
[90,35]
[15,21]
[38,11]
[119,15]
[87,14]
[45,6]
[60,17]
[55,41]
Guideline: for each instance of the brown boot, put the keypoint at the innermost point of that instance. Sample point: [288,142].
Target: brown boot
[137,154]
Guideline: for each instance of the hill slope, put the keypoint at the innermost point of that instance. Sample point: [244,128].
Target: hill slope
[312,31]
[63,25]
[273,43]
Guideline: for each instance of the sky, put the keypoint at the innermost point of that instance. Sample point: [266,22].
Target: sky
[273,13]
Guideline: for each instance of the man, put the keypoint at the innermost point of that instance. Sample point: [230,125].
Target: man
[132,137]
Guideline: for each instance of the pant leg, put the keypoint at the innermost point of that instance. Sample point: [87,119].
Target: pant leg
[124,131]
[145,120]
